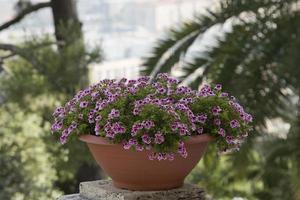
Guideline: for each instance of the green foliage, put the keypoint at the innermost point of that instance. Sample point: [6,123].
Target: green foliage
[258,62]
[27,168]
[61,71]
[36,84]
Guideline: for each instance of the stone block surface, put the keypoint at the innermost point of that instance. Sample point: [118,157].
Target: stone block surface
[72,197]
[104,190]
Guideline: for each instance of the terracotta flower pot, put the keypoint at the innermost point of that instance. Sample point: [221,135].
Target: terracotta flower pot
[134,171]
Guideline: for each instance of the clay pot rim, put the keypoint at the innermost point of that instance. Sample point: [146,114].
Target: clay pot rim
[92,139]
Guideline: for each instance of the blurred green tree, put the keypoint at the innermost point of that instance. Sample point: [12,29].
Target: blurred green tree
[37,75]
[38,89]
[256,58]
[27,169]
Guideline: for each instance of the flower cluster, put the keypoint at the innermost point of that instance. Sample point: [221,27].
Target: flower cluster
[156,117]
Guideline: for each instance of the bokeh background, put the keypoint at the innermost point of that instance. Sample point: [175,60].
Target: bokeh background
[51,49]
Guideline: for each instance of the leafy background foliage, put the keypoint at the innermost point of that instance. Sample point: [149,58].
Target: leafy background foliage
[25,161]
[30,93]
[257,61]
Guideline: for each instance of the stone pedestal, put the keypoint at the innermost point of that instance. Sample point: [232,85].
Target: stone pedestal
[104,190]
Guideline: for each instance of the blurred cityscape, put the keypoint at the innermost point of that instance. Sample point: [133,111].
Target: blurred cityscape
[125,29]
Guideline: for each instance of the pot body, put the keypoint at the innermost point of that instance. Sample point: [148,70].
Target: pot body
[133,170]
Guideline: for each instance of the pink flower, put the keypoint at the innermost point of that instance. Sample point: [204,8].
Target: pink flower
[152,156]
[170,156]
[234,123]
[221,132]
[97,129]
[202,118]
[114,113]
[139,147]
[216,110]
[218,87]
[200,130]
[159,138]
[146,139]
[230,139]
[83,104]
[217,122]
[126,146]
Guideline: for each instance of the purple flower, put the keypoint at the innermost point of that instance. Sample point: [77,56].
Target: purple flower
[182,150]
[186,100]
[132,90]
[114,113]
[193,118]
[131,82]
[170,156]
[229,139]
[91,116]
[94,95]
[162,76]
[73,125]
[132,142]
[206,91]
[171,81]
[83,104]
[98,118]
[159,138]
[148,124]
[152,156]
[202,118]
[234,123]
[218,87]
[97,129]
[118,128]
[248,118]
[216,110]
[136,111]
[183,128]
[221,132]
[146,139]
[101,104]
[160,156]
[224,94]
[139,147]
[217,122]
[200,130]
[56,126]
[183,131]
[161,90]
[64,136]
[63,139]
[143,79]
[58,111]
[135,128]
[182,90]
[126,145]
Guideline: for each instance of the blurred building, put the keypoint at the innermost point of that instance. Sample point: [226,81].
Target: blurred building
[126,29]
[128,68]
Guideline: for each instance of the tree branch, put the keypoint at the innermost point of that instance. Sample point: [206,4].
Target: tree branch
[23,13]
[15,50]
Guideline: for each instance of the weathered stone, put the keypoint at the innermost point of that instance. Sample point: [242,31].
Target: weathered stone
[104,190]
[72,197]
